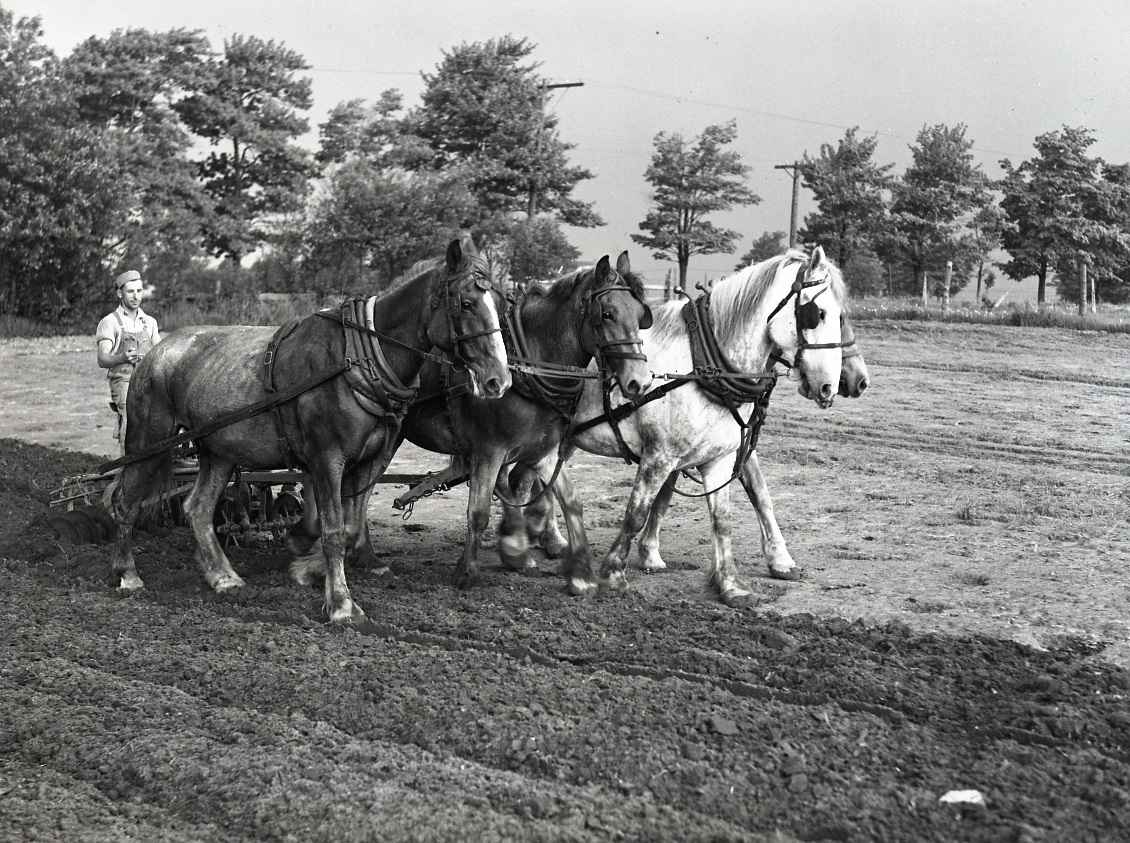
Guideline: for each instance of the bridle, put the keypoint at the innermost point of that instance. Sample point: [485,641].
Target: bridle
[611,349]
[480,270]
[806,317]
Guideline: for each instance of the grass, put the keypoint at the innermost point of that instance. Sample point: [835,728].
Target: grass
[1109,318]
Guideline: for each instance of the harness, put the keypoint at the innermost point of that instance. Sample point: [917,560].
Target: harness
[387,397]
[721,382]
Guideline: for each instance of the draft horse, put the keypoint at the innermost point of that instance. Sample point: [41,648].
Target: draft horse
[691,428]
[354,372]
[552,332]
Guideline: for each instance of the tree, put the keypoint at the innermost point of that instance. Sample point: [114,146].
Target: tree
[537,249]
[378,134]
[932,206]
[374,222]
[248,109]
[849,189]
[987,228]
[127,85]
[59,183]
[766,245]
[690,182]
[482,110]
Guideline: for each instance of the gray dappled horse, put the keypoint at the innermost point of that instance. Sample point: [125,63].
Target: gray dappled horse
[342,432]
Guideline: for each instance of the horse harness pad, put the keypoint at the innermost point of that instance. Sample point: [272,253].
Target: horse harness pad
[561,393]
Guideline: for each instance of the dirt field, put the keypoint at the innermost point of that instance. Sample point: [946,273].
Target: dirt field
[962,625]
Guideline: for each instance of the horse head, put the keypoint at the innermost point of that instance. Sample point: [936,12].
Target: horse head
[613,315]
[810,328]
[464,318]
[854,375]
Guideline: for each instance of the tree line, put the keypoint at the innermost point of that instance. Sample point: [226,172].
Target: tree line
[931,231]
[152,150]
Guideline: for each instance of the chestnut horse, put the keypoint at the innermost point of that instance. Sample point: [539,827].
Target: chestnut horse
[354,373]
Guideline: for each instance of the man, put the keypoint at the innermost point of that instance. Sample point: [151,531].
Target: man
[124,336]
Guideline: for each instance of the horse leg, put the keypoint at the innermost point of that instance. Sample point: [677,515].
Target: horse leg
[724,575]
[135,486]
[780,561]
[338,602]
[578,567]
[358,491]
[484,474]
[200,508]
[650,560]
[542,526]
[650,477]
[513,533]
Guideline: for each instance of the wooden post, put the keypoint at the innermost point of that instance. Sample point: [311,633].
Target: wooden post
[1094,296]
[925,292]
[946,287]
[794,169]
[1081,266]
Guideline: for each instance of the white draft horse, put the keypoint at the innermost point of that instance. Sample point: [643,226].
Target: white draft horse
[341,431]
[686,430]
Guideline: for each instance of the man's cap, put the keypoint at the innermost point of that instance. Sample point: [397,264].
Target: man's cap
[126,277]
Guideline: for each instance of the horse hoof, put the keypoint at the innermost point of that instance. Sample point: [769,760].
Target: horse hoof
[349,614]
[463,579]
[616,581]
[130,581]
[790,574]
[738,598]
[653,565]
[581,588]
[227,582]
[553,548]
[514,551]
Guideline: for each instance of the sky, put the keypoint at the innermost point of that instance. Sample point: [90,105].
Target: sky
[794,75]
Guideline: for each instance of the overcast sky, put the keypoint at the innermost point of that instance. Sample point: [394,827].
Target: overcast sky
[793,74]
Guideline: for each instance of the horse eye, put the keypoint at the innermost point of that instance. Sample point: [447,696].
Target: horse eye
[607,316]
[822,314]
[467,304]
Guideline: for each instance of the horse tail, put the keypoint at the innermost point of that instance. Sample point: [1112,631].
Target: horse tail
[150,417]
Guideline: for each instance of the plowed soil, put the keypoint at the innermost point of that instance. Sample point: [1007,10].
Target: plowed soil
[961,626]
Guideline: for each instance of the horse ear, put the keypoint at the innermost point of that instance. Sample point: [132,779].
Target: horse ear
[454,255]
[623,265]
[603,269]
[817,257]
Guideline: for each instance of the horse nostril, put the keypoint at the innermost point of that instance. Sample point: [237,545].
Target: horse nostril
[493,386]
[826,390]
[862,386]
[633,388]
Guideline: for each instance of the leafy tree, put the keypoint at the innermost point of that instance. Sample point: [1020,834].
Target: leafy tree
[538,249]
[987,229]
[374,222]
[377,133]
[126,84]
[59,183]
[932,206]
[849,189]
[690,182]
[248,108]
[1061,203]
[482,110]
[765,245]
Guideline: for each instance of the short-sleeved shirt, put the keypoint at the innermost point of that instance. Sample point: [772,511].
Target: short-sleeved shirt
[111,329]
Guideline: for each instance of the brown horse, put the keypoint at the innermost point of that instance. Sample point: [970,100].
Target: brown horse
[342,431]
[594,312]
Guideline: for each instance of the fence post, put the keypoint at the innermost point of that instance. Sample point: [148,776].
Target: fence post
[1094,296]
[946,287]
[925,293]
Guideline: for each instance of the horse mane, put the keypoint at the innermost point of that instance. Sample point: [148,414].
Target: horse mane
[561,289]
[735,298]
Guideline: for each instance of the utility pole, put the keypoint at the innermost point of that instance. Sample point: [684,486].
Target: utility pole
[535,181]
[794,168]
